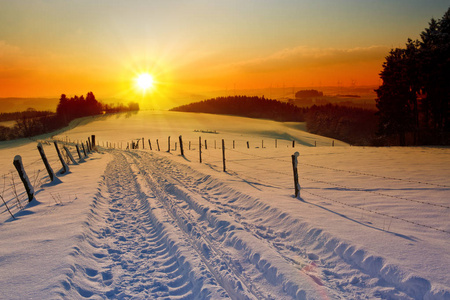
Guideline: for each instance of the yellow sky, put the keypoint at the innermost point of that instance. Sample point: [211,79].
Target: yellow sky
[50,47]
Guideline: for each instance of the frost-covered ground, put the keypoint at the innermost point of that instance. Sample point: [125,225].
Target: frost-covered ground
[370,223]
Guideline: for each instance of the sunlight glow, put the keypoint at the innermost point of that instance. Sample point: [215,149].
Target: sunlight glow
[145,81]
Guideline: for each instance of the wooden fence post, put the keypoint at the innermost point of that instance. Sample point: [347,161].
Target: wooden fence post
[23,176]
[206,145]
[276,143]
[150,144]
[294,166]
[189,145]
[93,140]
[143,144]
[168,144]
[157,144]
[248,145]
[50,172]
[78,151]
[200,148]
[70,155]
[84,149]
[181,146]
[223,155]
[293,143]
[233,144]
[65,168]
[89,144]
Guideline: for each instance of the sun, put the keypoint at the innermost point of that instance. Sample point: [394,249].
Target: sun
[144,81]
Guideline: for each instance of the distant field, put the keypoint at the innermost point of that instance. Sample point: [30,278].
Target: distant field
[8,105]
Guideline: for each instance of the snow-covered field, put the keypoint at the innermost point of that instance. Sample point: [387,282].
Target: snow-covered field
[370,223]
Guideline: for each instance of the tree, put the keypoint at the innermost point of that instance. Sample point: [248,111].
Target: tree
[396,117]
[415,94]
[434,51]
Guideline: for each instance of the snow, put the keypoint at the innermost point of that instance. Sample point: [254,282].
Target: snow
[370,223]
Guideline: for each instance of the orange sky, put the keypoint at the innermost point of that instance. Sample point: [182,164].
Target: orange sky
[52,47]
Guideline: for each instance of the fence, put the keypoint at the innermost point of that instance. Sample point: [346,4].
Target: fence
[245,159]
[250,161]
[19,181]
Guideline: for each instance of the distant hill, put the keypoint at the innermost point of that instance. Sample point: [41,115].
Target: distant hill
[245,106]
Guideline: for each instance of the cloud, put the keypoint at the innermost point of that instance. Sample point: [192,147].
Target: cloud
[7,52]
[307,57]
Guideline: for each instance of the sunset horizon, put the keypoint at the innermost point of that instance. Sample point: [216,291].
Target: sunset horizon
[49,48]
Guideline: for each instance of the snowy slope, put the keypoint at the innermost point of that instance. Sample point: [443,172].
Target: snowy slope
[370,223]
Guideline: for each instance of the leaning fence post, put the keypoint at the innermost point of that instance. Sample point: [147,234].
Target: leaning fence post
[223,155]
[23,176]
[65,168]
[89,144]
[84,149]
[150,144]
[181,146]
[78,151]
[70,155]
[50,172]
[200,148]
[294,166]
[157,144]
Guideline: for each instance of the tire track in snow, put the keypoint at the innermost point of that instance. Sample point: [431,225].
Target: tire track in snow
[129,249]
[225,272]
[335,267]
[246,254]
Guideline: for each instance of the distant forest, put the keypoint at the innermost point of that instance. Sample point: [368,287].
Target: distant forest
[252,107]
[352,125]
[31,122]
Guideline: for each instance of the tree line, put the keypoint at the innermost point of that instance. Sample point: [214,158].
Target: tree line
[413,100]
[352,125]
[31,122]
[247,106]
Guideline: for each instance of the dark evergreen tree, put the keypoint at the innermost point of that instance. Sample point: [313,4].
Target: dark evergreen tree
[415,94]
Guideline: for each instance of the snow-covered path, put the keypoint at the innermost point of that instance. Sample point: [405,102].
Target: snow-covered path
[159,228]
[370,223]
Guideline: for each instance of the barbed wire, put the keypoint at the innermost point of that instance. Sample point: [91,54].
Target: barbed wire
[374,192]
[375,212]
[373,175]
